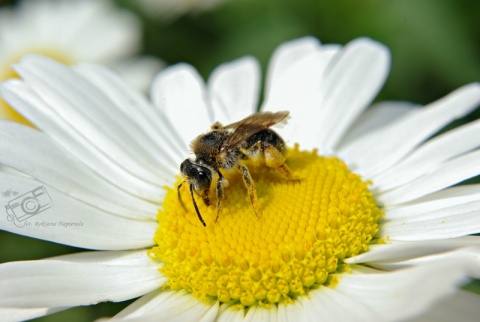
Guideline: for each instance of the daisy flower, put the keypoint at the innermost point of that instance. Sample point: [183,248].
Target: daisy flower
[71,31]
[375,229]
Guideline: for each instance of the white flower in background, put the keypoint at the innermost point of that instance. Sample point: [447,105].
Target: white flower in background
[170,9]
[71,31]
[391,245]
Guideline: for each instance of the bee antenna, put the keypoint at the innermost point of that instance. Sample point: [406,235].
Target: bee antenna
[196,207]
[180,196]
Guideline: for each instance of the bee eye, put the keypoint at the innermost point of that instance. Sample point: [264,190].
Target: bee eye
[185,166]
[203,178]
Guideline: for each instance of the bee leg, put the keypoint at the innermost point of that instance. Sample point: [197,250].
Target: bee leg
[205,197]
[276,160]
[196,207]
[220,184]
[252,152]
[247,179]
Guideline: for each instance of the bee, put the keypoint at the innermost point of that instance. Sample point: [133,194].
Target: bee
[227,147]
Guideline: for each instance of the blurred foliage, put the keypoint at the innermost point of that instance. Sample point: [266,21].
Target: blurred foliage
[435,49]
[435,44]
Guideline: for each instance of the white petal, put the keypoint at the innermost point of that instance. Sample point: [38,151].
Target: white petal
[272,314]
[376,117]
[324,87]
[447,174]
[144,305]
[294,82]
[40,211]
[118,258]
[179,92]
[287,55]
[430,155]
[397,250]
[351,82]
[228,315]
[405,293]
[234,90]
[454,221]
[256,313]
[34,153]
[462,306]
[23,314]
[469,256]
[36,110]
[380,150]
[70,283]
[157,133]
[452,196]
[290,312]
[168,306]
[326,304]
[89,111]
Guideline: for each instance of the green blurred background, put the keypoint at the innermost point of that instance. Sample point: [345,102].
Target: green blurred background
[435,47]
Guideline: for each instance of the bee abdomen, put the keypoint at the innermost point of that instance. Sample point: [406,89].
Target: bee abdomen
[267,136]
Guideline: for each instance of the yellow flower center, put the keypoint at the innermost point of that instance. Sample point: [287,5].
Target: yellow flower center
[305,231]
[7,72]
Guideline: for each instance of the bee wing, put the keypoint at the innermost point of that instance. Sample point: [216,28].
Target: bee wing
[252,124]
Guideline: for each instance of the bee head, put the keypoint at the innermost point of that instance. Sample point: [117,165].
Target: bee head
[199,176]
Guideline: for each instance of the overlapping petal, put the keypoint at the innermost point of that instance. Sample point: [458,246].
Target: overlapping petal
[233,90]
[77,130]
[168,306]
[310,80]
[74,280]
[179,92]
[64,219]
[397,140]
[55,169]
